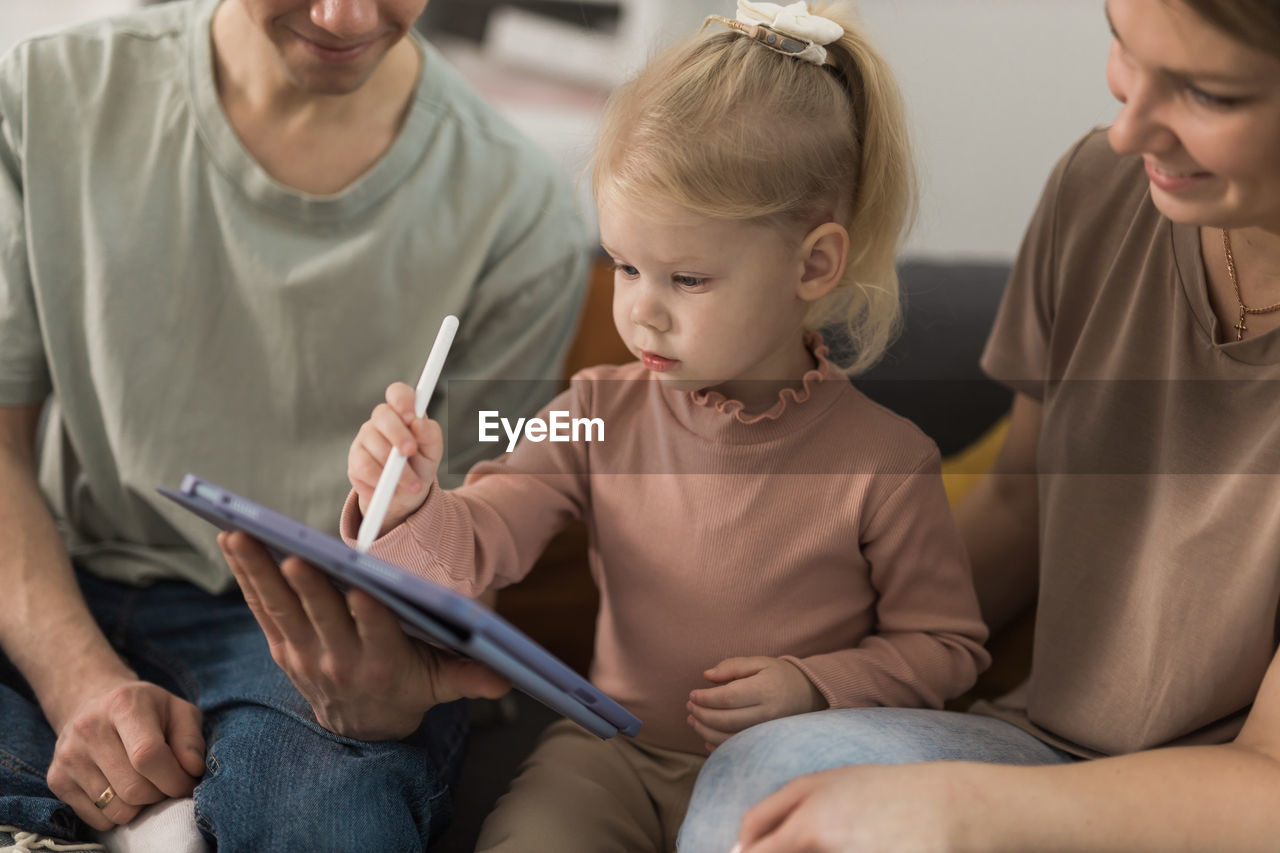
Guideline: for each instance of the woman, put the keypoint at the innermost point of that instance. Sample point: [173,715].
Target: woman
[1137,490]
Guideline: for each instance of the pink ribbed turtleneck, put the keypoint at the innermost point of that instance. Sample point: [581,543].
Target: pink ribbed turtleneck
[816,531]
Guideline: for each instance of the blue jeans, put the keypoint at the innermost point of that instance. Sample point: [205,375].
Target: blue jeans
[274,779]
[753,764]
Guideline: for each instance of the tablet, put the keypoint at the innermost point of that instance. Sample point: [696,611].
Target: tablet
[426,610]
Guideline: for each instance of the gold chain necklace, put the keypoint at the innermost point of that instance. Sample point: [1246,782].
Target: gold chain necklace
[1245,310]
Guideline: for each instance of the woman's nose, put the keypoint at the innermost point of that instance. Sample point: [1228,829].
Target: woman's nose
[1140,126]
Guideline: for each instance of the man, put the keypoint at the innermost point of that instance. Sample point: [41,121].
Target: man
[224,228]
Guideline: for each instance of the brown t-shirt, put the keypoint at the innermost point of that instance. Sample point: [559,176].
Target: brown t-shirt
[1158,462]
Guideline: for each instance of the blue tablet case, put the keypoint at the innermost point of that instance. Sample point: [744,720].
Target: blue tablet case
[427,610]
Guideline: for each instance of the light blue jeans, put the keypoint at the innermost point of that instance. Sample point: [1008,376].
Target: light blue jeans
[275,780]
[753,764]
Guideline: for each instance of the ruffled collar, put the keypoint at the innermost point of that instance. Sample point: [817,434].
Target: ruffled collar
[722,420]
[736,409]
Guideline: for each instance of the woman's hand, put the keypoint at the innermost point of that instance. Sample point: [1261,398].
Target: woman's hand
[394,424]
[138,738]
[363,677]
[919,807]
[751,690]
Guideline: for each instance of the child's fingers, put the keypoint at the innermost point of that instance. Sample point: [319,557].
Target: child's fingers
[430,438]
[394,430]
[364,464]
[733,668]
[401,398]
[424,469]
[734,720]
[371,441]
[735,694]
[426,461]
[364,469]
[410,483]
[712,737]
[363,488]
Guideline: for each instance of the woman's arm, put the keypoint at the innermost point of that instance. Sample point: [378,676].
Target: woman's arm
[998,521]
[1220,798]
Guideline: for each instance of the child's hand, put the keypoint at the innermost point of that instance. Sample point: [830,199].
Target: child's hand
[752,690]
[393,424]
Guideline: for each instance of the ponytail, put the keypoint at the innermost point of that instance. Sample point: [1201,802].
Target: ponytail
[883,203]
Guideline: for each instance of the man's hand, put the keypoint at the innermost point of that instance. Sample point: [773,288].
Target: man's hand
[348,657]
[752,690]
[138,738]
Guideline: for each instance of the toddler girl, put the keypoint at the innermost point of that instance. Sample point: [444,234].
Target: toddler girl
[766,540]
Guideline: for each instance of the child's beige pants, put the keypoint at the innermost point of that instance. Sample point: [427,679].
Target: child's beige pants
[577,793]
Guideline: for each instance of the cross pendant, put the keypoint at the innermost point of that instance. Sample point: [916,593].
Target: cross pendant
[1240,327]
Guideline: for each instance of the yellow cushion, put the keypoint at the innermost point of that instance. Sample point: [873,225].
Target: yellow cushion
[962,470]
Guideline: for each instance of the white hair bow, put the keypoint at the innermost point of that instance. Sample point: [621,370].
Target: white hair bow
[794,20]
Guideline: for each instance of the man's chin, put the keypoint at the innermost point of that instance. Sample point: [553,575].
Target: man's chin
[318,77]
[329,82]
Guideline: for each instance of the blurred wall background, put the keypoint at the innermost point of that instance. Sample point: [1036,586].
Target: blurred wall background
[20,18]
[996,89]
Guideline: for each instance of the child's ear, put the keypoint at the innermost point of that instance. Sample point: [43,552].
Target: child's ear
[824,253]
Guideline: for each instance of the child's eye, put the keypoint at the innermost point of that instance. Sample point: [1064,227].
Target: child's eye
[688,282]
[627,270]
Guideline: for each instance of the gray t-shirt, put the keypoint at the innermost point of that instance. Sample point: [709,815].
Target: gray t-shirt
[188,313]
[1159,464]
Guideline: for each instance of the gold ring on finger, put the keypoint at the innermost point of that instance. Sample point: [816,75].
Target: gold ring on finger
[105,797]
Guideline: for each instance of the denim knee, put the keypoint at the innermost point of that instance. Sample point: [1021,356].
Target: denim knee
[743,770]
[277,783]
[754,763]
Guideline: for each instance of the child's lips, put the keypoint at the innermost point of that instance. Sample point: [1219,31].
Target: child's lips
[658,363]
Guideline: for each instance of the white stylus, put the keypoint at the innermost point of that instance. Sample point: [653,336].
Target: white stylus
[391,472]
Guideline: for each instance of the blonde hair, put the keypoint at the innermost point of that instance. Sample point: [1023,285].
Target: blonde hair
[730,129]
